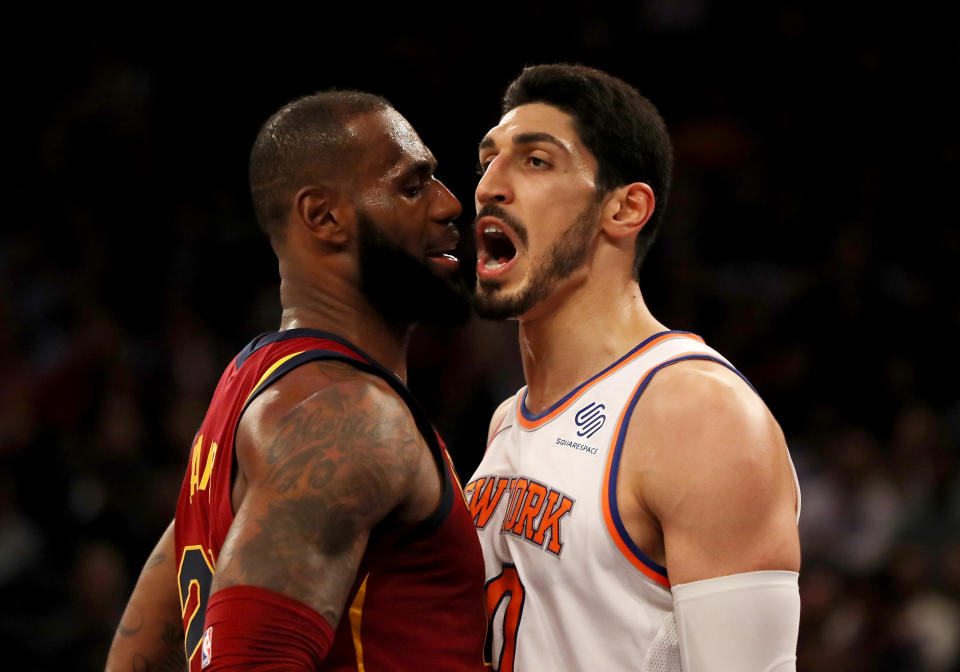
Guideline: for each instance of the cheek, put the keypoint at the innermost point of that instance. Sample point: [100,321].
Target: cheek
[575,194]
[566,192]
[540,243]
[551,213]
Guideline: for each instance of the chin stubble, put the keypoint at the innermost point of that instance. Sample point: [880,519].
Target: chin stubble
[566,255]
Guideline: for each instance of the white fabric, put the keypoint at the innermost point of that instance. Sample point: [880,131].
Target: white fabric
[584,600]
[570,593]
[739,623]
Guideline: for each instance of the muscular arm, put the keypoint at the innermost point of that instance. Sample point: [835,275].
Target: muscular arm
[320,473]
[713,496]
[150,635]
[708,465]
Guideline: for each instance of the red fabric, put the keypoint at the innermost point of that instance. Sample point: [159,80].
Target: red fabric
[422,606]
[257,629]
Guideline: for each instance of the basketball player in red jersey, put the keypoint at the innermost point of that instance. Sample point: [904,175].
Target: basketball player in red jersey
[320,525]
[636,503]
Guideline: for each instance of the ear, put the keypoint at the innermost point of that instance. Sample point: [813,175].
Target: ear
[318,209]
[628,209]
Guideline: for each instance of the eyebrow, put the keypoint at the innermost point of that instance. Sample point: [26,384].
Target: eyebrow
[526,139]
[423,168]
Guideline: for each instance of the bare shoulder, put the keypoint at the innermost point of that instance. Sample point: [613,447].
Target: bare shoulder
[326,453]
[496,420]
[692,400]
[327,410]
[709,463]
[329,435]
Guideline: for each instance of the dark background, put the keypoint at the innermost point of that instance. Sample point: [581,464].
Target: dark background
[811,237]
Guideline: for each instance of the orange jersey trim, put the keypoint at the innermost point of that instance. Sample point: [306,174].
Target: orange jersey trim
[500,427]
[578,392]
[605,500]
[616,533]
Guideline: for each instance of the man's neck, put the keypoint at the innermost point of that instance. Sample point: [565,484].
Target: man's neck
[347,313]
[564,344]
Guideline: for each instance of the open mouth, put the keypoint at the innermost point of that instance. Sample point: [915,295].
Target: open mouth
[496,247]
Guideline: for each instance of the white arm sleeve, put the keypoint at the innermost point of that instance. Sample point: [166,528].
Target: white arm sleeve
[739,623]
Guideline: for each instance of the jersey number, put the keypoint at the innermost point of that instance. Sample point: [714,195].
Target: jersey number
[195,576]
[504,591]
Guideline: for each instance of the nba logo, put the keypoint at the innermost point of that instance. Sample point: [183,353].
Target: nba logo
[205,648]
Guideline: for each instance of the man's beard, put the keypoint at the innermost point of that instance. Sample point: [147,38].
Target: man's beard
[566,255]
[402,288]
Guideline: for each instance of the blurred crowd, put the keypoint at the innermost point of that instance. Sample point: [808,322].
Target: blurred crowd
[804,240]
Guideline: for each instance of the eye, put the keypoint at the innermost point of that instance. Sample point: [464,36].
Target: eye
[537,162]
[412,190]
[483,164]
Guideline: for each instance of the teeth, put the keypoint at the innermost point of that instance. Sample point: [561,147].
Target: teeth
[492,229]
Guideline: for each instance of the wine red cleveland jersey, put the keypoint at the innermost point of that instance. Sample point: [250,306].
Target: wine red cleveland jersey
[417,602]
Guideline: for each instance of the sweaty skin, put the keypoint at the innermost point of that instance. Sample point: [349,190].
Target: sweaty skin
[327,453]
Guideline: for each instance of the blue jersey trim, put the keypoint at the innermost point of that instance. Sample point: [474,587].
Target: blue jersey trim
[618,450]
[251,348]
[533,417]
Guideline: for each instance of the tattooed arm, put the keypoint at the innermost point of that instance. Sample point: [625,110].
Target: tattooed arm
[325,454]
[150,635]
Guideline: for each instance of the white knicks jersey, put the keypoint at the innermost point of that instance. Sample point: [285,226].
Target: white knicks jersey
[567,588]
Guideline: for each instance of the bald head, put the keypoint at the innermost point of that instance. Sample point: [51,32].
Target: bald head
[306,140]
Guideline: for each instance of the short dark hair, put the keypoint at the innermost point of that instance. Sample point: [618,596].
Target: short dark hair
[620,127]
[305,134]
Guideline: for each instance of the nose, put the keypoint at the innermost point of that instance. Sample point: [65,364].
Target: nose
[445,206]
[493,186]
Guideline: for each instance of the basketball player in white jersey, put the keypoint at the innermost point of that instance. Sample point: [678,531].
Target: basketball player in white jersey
[636,503]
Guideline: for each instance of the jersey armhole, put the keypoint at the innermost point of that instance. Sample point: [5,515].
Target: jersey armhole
[427,431]
[611,513]
[505,423]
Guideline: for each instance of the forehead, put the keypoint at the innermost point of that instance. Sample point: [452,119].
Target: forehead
[389,144]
